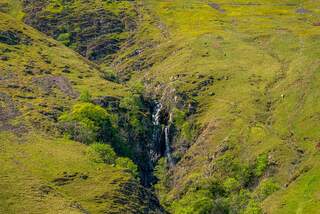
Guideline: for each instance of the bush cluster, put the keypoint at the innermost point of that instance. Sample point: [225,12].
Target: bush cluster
[104,153]
[231,191]
[93,125]
[87,123]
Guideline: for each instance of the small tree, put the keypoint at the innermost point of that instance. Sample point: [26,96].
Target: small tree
[101,153]
[231,184]
[133,105]
[64,38]
[87,123]
[79,131]
[266,188]
[253,208]
[261,165]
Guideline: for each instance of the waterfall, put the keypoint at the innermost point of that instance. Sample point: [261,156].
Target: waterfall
[156,123]
[157,134]
[156,115]
[167,152]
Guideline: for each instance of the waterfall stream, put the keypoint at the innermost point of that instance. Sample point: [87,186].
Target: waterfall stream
[167,152]
[157,136]
[156,114]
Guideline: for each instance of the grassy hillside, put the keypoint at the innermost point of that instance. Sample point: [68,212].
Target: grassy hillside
[251,68]
[239,85]
[12,7]
[41,175]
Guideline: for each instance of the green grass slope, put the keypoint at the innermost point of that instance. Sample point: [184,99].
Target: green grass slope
[252,69]
[300,197]
[12,7]
[240,79]
[48,175]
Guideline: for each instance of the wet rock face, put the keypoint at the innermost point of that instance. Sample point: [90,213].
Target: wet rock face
[94,33]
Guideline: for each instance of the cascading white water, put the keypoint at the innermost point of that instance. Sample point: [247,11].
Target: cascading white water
[167,152]
[156,115]
[156,123]
[154,154]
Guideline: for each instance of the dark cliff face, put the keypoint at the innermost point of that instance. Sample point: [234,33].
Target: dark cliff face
[93,30]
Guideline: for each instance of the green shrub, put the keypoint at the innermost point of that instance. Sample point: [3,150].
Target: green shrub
[179,120]
[266,188]
[199,202]
[79,131]
[261,165]
[137,88]
[188,131]
[128,164]
[90,119]
[64,38]
[193,203]
[237,201]
[109,75]
[231,184]
[178,117]
[160,172]
[216,189]
[133,105]
[101,153]
[227,165]
[55,6]
[253,208]
[87,113]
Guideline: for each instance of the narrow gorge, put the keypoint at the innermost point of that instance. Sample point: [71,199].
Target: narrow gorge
[158,106]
